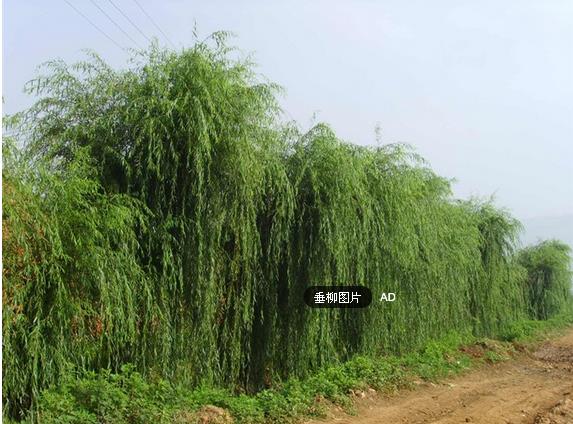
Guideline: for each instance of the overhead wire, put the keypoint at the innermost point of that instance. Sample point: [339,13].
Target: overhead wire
[115,23]
[94,25]
[130,21]
[154,23]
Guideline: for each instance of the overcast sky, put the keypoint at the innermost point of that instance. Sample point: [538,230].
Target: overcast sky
[483,90]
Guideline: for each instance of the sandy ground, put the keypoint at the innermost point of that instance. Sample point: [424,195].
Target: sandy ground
[533,388]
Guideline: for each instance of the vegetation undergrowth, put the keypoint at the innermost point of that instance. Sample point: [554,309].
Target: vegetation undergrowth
[126,397]
[532,331]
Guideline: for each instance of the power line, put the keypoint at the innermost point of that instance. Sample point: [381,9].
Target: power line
[94,25]
[153,22]
[130,21]
[115,23]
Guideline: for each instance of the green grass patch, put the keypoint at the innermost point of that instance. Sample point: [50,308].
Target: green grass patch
[535,330]
[126,397]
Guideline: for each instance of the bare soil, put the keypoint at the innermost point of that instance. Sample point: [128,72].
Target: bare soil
[535,387]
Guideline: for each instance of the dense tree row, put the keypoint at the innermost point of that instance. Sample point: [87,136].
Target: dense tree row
[163,216]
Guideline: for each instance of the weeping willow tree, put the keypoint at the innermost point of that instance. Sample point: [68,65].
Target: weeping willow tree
[73,289]
[368,217]
[191,137]
[497,295]
[549,278]
[162,215]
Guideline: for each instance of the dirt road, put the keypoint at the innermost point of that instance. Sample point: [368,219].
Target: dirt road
[534,388]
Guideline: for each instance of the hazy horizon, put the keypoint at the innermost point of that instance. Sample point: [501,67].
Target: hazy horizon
[482,90]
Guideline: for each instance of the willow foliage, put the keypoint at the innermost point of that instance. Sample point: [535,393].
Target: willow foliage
[73,290]
[163,216]
[548,282]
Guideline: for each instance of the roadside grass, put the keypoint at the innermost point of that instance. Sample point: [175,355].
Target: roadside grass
[127,397]
[531,331]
